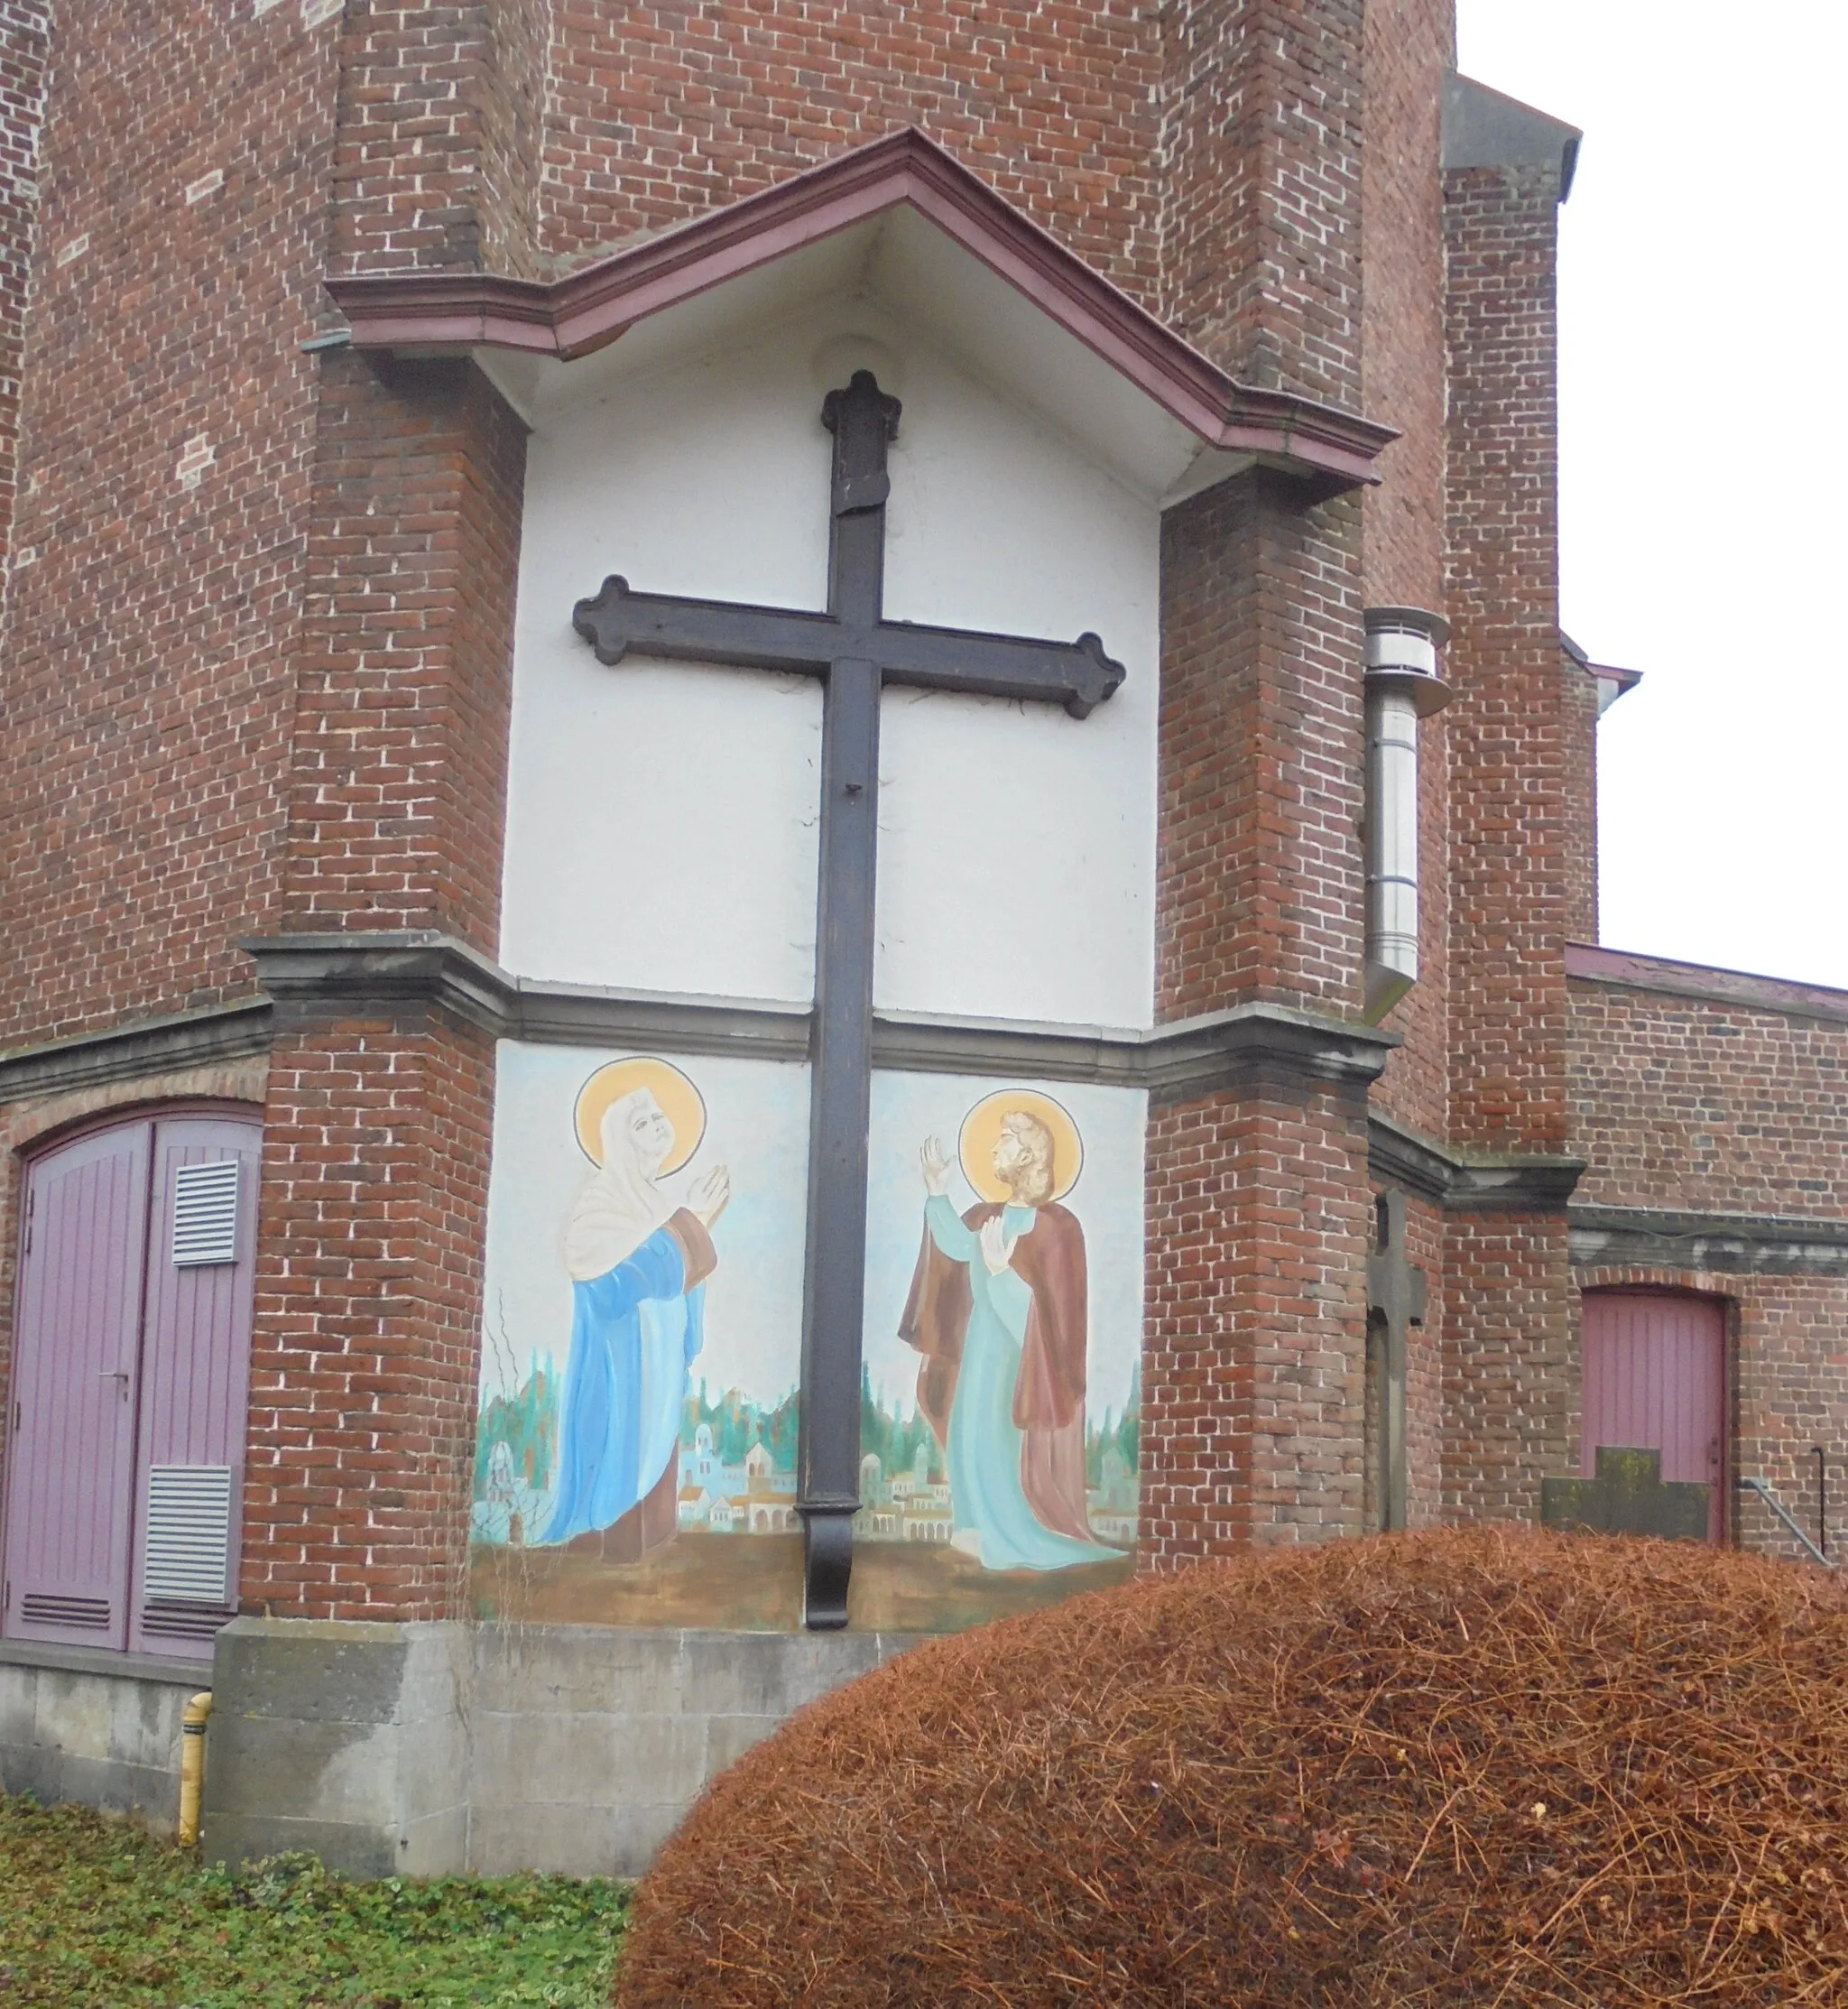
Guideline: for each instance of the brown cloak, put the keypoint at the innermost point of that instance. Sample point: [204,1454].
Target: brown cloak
[1049,1391]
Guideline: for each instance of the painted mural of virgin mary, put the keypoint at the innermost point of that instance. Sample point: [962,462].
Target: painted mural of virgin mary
[637,1261]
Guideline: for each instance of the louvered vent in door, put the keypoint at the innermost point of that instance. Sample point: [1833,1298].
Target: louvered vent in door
[205,1214]
[46,1608]
[188,1555]
[195,1368]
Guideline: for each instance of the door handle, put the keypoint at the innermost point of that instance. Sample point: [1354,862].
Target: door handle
[114,1374]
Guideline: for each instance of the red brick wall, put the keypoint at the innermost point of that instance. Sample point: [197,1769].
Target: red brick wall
[1425,1368]
[1253,1358]
[376,1135]
[166,440]
[1259,876]
[661,112]
[1510,727]
[24,39]
[1408,46]
[1258,1210]
[1580,716]
[1262,235]
[1700,1106]
[1511,1364]
[399,756]
[1695,1105]
[1510,1335]
[368,1319]
[439,135]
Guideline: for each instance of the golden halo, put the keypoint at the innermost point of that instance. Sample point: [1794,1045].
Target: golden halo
[981,1128]
[680,1101]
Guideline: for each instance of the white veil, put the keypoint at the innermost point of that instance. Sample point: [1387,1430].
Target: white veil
[621,1206]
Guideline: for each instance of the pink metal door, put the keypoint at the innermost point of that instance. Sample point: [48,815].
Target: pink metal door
[1655,1381]
[71,1461]
[194,1382]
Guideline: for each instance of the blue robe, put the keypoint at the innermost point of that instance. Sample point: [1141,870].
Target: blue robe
[634,1332]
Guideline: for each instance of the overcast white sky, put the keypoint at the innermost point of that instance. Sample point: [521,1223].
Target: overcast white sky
[1704,438]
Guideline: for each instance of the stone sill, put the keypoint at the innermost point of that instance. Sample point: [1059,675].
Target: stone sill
[94,1660]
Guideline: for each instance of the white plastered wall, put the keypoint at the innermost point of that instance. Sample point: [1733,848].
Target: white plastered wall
[661,822]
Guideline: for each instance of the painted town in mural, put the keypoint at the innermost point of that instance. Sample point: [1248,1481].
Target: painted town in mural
[636,1460]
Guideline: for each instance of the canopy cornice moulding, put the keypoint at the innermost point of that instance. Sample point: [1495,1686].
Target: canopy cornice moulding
[568,318]
[313,978]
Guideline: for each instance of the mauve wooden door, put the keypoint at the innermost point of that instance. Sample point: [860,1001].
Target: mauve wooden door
[70,1459]
[1655,1380]
[195,1378]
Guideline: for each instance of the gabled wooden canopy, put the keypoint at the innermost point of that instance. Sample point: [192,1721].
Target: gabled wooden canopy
[572,317]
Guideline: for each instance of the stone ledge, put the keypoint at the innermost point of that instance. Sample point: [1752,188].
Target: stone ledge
[124,1053]
[60,1659]
[1646,1237]
[1658,976]
[1465,1182]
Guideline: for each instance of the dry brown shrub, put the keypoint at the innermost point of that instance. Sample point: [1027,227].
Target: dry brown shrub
[1487,1767]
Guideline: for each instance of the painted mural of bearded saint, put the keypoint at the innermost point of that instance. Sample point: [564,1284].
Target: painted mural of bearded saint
[637,1263]
[999,1310]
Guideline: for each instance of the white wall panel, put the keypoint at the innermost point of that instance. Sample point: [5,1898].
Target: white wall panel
[662,830]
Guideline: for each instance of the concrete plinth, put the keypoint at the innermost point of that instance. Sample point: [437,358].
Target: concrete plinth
[100,1730]
[424,1749]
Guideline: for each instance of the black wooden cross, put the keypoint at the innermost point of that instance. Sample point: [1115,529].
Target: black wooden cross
[854,650]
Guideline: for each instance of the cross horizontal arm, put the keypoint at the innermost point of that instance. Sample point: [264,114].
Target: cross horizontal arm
[618,622]
[1077,674]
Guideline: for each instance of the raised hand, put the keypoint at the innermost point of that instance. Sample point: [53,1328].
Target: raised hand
[708,1198]
[997,1245]
[936,1167]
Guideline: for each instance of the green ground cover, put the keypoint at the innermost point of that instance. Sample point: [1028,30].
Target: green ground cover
[94,1915]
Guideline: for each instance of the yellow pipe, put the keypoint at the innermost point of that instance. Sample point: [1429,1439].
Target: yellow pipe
[192,1765]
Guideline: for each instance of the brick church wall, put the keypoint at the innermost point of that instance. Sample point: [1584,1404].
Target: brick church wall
[1514,730]
[24,51]
[368,1319]
[1702,1104]
[1728,1105]
[459,92]
[1408,46]
[377,1134]
[657,115]
[166,438]
[1252,1376]
[1258,1207]
[1261,236]
[398,785]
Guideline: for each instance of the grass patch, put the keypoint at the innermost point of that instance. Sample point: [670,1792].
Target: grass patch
[95,1915]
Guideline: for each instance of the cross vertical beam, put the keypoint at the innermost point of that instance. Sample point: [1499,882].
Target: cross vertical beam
[863,420]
